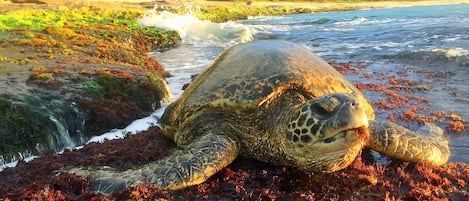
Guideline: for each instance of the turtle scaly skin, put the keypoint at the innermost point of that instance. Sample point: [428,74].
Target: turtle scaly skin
[276,102]
[398,142]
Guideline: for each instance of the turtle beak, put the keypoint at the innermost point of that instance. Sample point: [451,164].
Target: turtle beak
[360,118]
[354,123]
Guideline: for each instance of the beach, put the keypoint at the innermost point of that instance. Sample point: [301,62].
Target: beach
[111,56]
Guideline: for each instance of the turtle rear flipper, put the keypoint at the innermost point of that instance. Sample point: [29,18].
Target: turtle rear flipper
[426,145]
[204,157]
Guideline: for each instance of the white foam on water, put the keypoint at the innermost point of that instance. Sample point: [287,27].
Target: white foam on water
[353,22]
[192,30]
[133,128]
[14,163]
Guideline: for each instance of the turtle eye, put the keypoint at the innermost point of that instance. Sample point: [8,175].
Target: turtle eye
[320,109]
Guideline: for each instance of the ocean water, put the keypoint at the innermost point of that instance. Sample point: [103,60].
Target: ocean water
[411,39]
[371,34]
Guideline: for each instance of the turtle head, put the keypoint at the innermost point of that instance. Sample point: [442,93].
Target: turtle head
[327,133]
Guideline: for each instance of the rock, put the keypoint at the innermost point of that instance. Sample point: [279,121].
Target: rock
[61,84]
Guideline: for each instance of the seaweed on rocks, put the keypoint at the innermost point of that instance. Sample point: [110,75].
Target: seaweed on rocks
[70,73]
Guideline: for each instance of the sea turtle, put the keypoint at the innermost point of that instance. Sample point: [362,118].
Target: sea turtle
[277,102]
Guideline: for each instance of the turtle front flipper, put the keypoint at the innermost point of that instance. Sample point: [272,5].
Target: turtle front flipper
[203,158]
[426,145]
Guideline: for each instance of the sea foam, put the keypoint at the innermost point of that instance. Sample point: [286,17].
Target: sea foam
[192,30]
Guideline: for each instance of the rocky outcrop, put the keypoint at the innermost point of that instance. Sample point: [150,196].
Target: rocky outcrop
[74,73]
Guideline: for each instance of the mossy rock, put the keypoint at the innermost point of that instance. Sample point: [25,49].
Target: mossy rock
[28,127]
[82,75]
[46,119]
[114,101]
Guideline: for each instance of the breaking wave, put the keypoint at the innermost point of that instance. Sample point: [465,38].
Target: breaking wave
[353,22]
[193,30]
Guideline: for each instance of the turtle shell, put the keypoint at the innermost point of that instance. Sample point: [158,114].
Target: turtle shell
[244,76]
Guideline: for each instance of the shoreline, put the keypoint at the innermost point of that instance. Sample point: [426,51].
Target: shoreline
[331,5]
[378,4]
[288,7]
[249,178]
[222,11]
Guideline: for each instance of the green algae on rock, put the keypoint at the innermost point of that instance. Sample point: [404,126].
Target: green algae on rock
[224,13]
[39,19]
[67,74]
[118,100]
